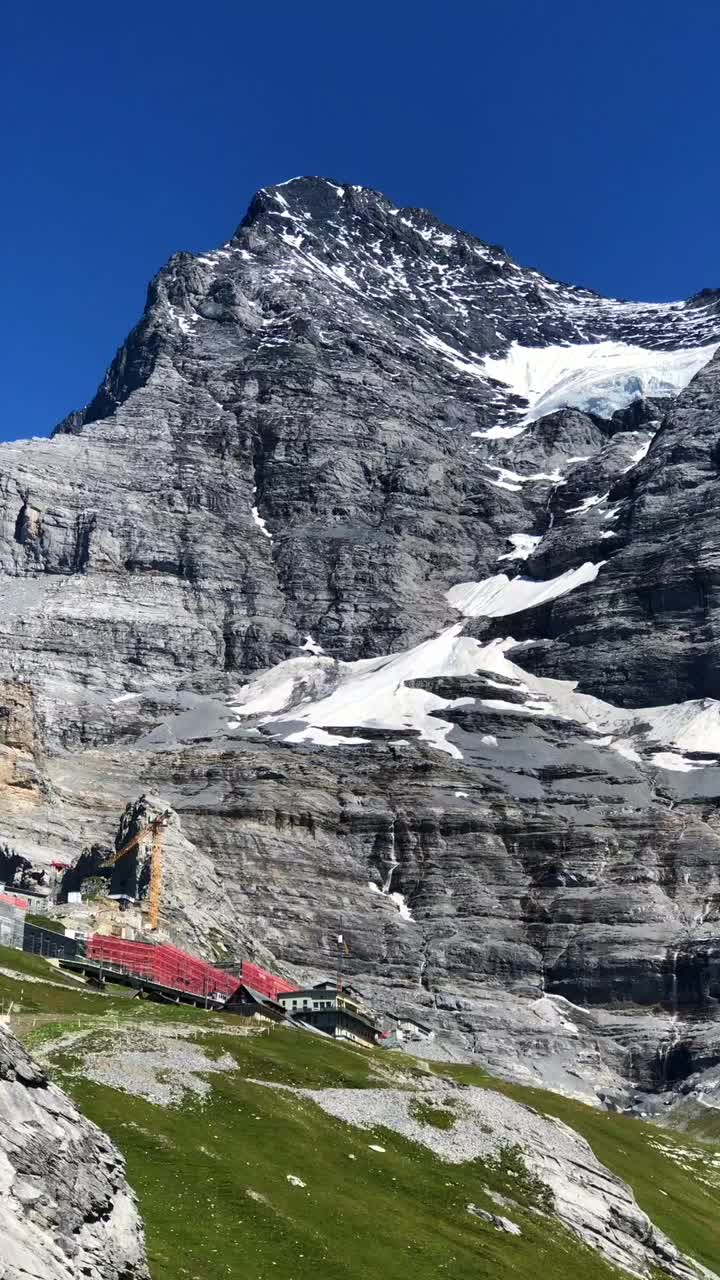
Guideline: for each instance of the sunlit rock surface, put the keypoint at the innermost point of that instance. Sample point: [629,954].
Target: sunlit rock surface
[270,578]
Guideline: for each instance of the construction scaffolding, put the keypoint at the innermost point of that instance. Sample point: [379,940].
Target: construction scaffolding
[175,972]
[165,966]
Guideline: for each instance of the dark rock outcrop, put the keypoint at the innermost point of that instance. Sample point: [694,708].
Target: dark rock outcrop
[65,1208]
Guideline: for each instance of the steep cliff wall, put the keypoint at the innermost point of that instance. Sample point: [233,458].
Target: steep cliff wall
[357,502]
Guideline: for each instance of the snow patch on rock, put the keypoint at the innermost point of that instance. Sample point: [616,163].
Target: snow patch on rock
[322,694]
[261,524]
[499,596]
[597,377]
[523,545]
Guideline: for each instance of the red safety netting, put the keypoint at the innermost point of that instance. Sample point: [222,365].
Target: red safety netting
[166,965]
[170,967]
[266,983]
[12,900]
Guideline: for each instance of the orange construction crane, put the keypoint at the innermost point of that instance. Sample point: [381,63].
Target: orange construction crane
[156,828]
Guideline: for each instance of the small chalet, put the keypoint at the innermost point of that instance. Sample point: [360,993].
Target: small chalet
[405,1032]
[339,1012]
[412,1030]
[249,1003]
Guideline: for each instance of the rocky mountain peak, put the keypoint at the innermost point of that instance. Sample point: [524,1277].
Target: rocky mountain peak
[318,198]
[330,205]
[389,565]
[314,258]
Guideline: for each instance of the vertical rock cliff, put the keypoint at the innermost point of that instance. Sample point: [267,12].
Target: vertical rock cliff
[388,565]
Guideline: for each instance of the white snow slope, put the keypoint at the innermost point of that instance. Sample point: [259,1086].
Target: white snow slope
[316,693]
[311,699]
[499,596]
[599,377]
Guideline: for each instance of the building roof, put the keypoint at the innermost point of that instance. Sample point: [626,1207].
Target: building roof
[257,997]
[344,985]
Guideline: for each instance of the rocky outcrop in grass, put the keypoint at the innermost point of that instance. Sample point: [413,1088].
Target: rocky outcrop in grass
[65,1207]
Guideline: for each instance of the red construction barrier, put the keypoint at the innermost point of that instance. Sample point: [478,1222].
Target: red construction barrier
[170,967]
[166,965]
[12,900]
[266,983]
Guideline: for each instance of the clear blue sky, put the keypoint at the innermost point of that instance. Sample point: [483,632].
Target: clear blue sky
[582,136]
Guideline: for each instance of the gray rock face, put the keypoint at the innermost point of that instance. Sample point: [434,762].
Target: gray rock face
[659,588]
[65,1208]
[299,450]
[322,370]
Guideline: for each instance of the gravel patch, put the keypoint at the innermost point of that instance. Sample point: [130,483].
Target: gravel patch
[486,1123]
[155,1063]
[161,1063]
[164,1075]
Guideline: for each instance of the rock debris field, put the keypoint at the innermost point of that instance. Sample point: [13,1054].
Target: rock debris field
[161,1065]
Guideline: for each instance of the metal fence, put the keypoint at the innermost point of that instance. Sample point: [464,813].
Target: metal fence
[52,945]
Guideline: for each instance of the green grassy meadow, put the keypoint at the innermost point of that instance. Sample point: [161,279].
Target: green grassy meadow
[218,1177]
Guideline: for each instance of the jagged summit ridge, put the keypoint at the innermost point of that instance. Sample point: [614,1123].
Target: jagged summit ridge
[322,200]
[333,205]
[432,286]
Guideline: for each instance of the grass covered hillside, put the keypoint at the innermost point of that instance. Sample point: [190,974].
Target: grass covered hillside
[283,1154]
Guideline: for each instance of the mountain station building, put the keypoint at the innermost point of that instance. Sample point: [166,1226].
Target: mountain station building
[341,1013]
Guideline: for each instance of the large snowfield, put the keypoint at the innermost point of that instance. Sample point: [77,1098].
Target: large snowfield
[316,693]
[312,699]
[597,377]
